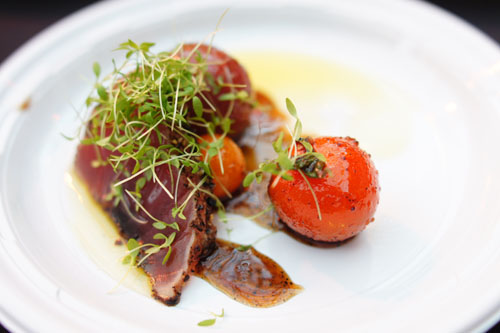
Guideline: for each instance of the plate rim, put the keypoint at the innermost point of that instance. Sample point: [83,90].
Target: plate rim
[78,18]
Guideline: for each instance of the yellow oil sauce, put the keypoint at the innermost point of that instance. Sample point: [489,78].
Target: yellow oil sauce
[334,99]
[102,242]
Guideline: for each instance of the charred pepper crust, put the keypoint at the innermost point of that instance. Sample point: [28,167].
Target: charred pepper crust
[174,300]
[118,216]
[209,230]
[202,224]
[206,231]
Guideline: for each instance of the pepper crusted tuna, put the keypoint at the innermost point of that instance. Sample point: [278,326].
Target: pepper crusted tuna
[194,238]
[141,160]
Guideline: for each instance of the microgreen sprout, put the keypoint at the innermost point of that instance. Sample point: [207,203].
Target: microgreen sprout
[262,212]
[249,246]
[211,321]
[149,249]
[142,116]
[134,104]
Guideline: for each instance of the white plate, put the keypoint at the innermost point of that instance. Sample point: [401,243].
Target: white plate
[420,90]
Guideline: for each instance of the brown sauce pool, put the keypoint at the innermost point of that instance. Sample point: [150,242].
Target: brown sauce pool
[247,276]
[244,274]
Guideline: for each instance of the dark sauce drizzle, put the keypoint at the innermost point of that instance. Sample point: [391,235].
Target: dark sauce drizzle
[247,276]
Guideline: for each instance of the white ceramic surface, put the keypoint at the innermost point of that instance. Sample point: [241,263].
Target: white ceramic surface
[427,109]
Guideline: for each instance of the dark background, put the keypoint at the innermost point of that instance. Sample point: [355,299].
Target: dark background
[20,20]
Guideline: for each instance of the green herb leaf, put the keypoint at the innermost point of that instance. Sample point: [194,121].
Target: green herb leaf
[226,124]
[278,144]
[319,156]
[153,250]
[137,167]
[227,97]
[206,169]
[284,162]
[101,91]
[207,322]
[146,46]
[243,248]
[197,106]
[249,178]
[271,168]
[212,151]
[97,69]
[167,256]
[133,247]
[210,322]
[139,185]
[127,260]
[132,244]
[159,235]
[307,145]
[133,44]
[160,226]
[222,215]
[175,211]
[170,239]
[242,95]
[258,178]
[291,108]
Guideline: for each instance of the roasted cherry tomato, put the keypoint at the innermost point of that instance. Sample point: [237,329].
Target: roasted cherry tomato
[227,179]
[347,195]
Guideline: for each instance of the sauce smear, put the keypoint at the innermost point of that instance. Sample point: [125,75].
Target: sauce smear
[247,276]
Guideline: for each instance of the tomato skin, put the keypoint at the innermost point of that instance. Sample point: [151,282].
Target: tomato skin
[234,165]
[220,64]
[347,197]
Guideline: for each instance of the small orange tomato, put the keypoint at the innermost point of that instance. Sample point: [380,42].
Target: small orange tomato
[347,196]
[229,177]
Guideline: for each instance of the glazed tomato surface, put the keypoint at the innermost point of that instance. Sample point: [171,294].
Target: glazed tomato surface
[220,65]
[228,179]
[347,196]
